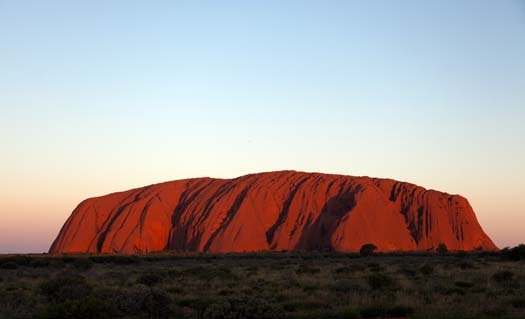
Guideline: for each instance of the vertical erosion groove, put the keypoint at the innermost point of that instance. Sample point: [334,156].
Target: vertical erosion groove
[283,215]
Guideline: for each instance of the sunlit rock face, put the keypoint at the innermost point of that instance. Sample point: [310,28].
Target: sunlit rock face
[275,211]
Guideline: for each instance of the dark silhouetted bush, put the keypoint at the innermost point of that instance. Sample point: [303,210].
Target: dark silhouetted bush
[399,311]
[89,307]
[130,301]
[346,313]
[407,271]
[373,312]
[65,287]
[68,258]
[504,276]
[442,249]
[9,265]
[464,284]
[17,304]
[149,279]
[304,305]
[342,270]
[328,314]
[453,291]
[466,265]
[306,269]
[357,267]
[209,273]
[517,253]
[20,260]
[345,286]
[40,262]
[380,281]
[115,259]
[83,264]
[375,267]
[157,304]
[140,299]
[367,249]
[518,303]
[380,311]
[243,307]
[427,270]
[495,311]
[461,253]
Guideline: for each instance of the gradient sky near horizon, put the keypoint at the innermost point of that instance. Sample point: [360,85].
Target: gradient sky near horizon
[102,96]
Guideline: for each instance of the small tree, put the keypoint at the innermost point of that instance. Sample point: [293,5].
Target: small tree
[442,249]
[367,249]
[517,253]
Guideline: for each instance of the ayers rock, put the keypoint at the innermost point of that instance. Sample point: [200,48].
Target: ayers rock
[284,210]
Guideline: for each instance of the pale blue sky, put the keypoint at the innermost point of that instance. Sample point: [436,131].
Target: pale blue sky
[102,96]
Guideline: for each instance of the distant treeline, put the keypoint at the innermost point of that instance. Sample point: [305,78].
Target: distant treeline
[43,260]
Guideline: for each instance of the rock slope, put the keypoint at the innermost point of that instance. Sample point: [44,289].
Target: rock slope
[284,210]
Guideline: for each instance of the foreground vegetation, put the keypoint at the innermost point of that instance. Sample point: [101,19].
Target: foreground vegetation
[265,285]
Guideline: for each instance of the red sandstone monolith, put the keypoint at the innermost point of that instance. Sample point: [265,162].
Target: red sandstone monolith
[277,211]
